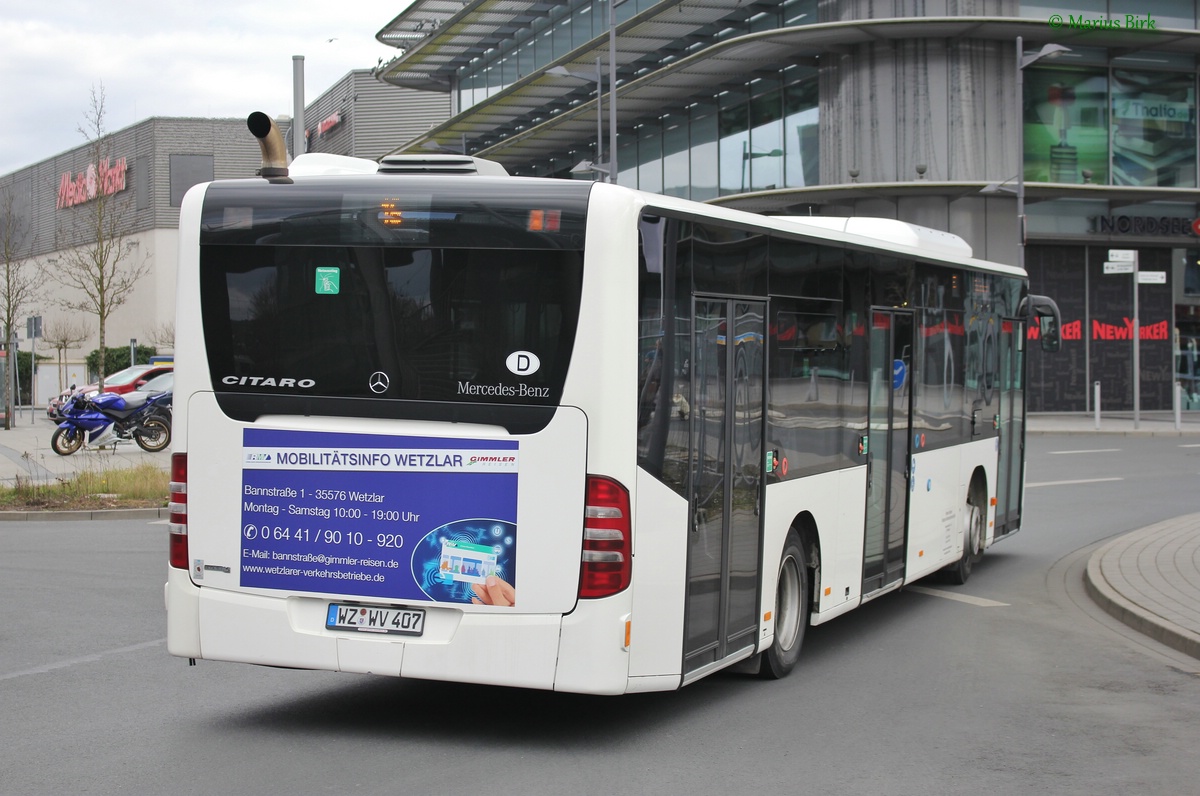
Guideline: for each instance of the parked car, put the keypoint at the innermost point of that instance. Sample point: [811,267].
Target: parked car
[129,379]
[163,382]
[54,407]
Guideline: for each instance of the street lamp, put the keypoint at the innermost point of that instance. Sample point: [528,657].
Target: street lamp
[594,77]
[612,89]
[1048,51]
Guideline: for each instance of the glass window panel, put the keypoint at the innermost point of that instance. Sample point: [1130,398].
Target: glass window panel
[704,157]
[1066,126]
[1134,14]
[524,56]
[734,140]
[802,149]
[809,387]
[650,158]
[1154,128]
[581,26]
[562,37]
[800,268]
[765,153]
[1160,60]
[799,12]
[675,157]
[731,261]
[627,161]
[1044,9]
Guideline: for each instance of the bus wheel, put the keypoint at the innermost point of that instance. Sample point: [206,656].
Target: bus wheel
[791,611]
[972,544]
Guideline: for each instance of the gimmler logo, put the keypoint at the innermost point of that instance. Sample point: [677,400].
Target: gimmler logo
[491,461]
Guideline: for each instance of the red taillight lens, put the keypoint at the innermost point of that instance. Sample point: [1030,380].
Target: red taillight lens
[178,511]
[607,549]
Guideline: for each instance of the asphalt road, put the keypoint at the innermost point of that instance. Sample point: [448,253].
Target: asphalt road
[1014,683]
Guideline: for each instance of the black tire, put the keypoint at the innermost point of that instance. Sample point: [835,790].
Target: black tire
[153,435]
[66,441]
[791,611]
[973,533]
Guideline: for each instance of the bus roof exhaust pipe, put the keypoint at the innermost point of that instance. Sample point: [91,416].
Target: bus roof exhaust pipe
[274,151]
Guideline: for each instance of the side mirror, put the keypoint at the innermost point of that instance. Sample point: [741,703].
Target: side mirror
[1043,311]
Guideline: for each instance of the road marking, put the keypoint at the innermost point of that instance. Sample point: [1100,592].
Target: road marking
[961,598]
[1070,483]
[49,667]
[1193,445]
[1097,450]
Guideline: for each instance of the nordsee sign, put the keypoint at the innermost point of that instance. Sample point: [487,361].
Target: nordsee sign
[1142,225]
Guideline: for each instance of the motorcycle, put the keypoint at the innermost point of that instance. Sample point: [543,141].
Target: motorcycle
[108,419]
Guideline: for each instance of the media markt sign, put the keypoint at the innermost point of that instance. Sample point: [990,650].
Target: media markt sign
[329,281]
[99,179]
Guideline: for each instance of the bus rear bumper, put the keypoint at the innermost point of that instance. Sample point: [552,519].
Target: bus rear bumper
[519,650]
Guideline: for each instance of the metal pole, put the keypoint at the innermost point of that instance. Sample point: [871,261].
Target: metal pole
[1020,153]
[32,379]
[16,352]
[599,115]
[612,91]
[298,142]
[1137,345]
[1096,402]
[1176,390]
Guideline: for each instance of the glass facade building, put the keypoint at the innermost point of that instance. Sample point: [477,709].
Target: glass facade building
[863,107]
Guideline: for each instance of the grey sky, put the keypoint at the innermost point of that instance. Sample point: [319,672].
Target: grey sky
[214,58]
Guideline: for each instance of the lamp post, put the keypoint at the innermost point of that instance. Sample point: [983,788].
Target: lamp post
[612,89]
[596,77]
[1047,51]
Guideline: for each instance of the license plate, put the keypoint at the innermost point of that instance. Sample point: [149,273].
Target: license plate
[375,619]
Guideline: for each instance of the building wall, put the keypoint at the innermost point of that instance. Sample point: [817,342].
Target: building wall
[163,157]
[368,119]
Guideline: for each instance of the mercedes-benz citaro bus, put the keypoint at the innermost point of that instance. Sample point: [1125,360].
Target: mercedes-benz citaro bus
[436,422]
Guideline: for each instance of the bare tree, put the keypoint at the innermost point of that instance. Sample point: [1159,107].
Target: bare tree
[162,335]
[101,265]
[20,284]
[63,333]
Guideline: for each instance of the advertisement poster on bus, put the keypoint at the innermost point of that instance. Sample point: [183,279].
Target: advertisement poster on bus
[396,518]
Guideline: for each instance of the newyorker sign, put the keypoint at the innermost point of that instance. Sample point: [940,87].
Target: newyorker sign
[100,179]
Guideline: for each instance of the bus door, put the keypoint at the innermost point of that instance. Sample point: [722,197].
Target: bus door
[727,373]
[1010,480]
[889,458]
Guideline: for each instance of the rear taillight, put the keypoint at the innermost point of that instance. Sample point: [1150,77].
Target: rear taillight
[607,548]
[178,511]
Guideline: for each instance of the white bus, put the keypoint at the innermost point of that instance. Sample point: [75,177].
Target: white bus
[566,435]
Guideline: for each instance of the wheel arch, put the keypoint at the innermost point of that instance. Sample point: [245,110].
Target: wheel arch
[977,495]
[810,541]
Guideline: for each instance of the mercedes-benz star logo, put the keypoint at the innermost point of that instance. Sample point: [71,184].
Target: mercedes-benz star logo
[379,382]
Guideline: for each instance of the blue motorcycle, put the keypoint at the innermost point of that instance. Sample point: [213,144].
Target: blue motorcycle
[108,419]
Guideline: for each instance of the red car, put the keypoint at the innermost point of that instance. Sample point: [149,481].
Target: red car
[129,379]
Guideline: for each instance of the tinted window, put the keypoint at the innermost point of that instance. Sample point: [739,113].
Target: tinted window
[392,288]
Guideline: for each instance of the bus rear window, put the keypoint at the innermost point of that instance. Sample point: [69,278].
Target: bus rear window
[478,325]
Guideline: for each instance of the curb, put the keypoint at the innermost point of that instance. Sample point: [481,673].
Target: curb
[96,514]
[1175,434]
[1132,615]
